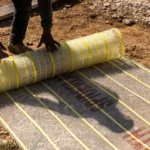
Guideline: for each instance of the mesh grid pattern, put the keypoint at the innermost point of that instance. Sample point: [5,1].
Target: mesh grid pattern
[37,65]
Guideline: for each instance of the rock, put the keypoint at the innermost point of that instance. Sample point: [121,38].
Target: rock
[120,20]
[148,21]
[92,7]
[4,141]
[113,8]
[93,15]
[121,16]
[84,3]
[67,6]
[107,22]
[3,132]
[128,22]
[118,4]
[114,16]
[117,1]
[106,4]
[103,8]
[29,43]
[148,13]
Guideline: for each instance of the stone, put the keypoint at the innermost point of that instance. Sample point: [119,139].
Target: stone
[120,20]
[148,13]
[92,7]
[148,21]
[67,6]
[114,9]
[121,16]
[93,15]
[106,4]
[117,1]
[128,22]
[107,22]
[3,132]
[29,43]
[114,16]
[4,141]
[103,8]
[118,4]
[84,3]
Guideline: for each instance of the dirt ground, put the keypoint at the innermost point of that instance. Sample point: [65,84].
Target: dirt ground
[72,20]
[4,2]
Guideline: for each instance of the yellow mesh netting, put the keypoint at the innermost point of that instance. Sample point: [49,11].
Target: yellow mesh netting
[30,67]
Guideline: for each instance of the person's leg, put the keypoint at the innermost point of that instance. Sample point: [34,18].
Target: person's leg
[20,22]
[2,54]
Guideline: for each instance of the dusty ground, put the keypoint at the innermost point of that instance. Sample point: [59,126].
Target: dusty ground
[4,2]
[76,21]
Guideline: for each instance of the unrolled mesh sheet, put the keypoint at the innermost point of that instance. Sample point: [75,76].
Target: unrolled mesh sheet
[30,67]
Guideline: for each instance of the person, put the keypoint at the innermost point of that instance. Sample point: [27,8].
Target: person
[2,54]
[20,22]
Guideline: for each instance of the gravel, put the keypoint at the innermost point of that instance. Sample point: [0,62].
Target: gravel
[127,11]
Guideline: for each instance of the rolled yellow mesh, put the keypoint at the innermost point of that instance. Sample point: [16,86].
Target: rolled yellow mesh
[30,67]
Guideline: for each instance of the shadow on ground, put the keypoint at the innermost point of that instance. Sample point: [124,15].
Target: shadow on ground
[60,4]
[73,98]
